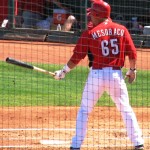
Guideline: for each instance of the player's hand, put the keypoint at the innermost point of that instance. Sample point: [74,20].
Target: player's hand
[60,74]
[131,75]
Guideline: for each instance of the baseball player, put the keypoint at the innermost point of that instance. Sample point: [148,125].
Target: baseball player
[109,43]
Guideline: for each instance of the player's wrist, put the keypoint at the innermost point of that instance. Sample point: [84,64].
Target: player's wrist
[133,69]
[66,69]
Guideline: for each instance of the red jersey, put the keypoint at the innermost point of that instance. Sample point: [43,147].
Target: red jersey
[108,42]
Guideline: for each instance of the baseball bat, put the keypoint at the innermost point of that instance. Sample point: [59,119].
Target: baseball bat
[29,66]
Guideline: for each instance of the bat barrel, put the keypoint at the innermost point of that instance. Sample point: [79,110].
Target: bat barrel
[18,63]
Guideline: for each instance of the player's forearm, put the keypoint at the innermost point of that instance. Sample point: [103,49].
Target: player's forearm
[70,64]
[132,63]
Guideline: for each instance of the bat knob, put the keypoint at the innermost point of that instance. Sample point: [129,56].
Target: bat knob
[7,59]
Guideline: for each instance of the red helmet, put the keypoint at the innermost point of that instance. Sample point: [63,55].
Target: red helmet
[95,0]
[100,9]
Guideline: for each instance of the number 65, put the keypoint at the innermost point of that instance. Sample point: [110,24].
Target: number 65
[106,50]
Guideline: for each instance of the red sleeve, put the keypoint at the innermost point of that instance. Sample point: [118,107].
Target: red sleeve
[129,46]
[81,48]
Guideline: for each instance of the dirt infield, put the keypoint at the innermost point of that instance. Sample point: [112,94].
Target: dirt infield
[25,127]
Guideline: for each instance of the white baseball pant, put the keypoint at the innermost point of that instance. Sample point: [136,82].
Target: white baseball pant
[112,82]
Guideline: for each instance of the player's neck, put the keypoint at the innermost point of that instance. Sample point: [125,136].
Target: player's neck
[101,20]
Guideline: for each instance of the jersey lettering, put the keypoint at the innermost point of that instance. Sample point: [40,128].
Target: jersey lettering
[114,48]
[108,32]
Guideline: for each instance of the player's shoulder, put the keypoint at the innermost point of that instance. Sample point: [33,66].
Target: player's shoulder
[120,26]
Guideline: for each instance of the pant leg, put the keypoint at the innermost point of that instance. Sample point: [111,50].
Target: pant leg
[118,92]
[92,91]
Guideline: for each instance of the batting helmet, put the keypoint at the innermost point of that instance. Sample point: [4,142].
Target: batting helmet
[100,9]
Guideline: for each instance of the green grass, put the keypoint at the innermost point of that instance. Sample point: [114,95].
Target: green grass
[24,87]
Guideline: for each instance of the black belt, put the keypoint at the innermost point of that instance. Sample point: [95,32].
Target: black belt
[113,68]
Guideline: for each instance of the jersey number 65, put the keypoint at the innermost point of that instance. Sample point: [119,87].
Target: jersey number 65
[113,48]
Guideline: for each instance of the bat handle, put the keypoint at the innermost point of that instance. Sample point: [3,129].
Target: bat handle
[44,71]
[50,73]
